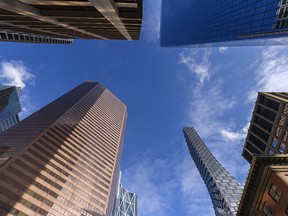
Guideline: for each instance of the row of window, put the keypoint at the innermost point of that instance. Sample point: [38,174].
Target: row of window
[275,194]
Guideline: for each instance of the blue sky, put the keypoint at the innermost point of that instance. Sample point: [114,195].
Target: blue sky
[165,89]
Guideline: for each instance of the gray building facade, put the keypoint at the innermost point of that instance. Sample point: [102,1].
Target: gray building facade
[9,106]
[225,191]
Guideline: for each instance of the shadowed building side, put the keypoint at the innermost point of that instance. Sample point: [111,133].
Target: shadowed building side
[225,191]
[42,21]
[64,159]
[268,130]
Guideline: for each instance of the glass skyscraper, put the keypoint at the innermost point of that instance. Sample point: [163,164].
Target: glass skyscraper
[126,203]
[9,107]
[225,191]
[214,22]
[65,158]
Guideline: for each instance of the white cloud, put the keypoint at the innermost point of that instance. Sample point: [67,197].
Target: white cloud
[195,197]
[152,16]
[271,71]
[198,62]
[161,183]
[222,49]
[235,136]
[206,107]
[153,183]
[15,73]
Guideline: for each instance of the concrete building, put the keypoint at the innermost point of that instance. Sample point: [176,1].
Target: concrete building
[42,21]
[65,158]
[9,106]
[225,191]
[223,23]
[265,191]
[268,130]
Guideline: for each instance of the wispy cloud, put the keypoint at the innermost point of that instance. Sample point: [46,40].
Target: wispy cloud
[235,136]
[271,71]
[162,184]
[15,73]
[206,107]
[198,62]
[195,200]
[152,14]
[153,183]
[222,49]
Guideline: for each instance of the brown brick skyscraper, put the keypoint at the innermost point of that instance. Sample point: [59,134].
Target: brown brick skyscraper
[65,158]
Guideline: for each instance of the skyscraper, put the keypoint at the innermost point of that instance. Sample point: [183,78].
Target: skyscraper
[223,23]
[126,202]
[268,131]
[225,191]
[64,159]
[42,21]
[9,106]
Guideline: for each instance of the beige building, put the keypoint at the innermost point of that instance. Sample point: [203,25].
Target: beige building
[64,159]
[265,192]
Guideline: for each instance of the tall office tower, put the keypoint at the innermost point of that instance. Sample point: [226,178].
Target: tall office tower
[223,23]
[268,131]
[42,21]
[9,106]
[64,159]
[225,191]
[126,202]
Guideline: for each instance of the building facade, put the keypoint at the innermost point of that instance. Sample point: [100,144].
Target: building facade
[265,192]
[225,191]
[268,130]
[9,106]
[126,202]
[42,21]
[65,158]
[223,23]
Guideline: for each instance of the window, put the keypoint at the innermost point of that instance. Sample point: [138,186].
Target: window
[282,120]
[278,132]
[274,143]
[282,147]
[271,152]
[275,193]
[285,136]
[267,210]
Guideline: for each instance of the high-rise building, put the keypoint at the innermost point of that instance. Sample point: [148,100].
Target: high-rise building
[42,21]
[268,131]
[265,191]
[126,202]
[225,191]
[65,158]
[223,23]
[9,106]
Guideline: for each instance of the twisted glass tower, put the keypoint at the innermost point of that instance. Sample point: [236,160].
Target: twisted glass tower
[225,191]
